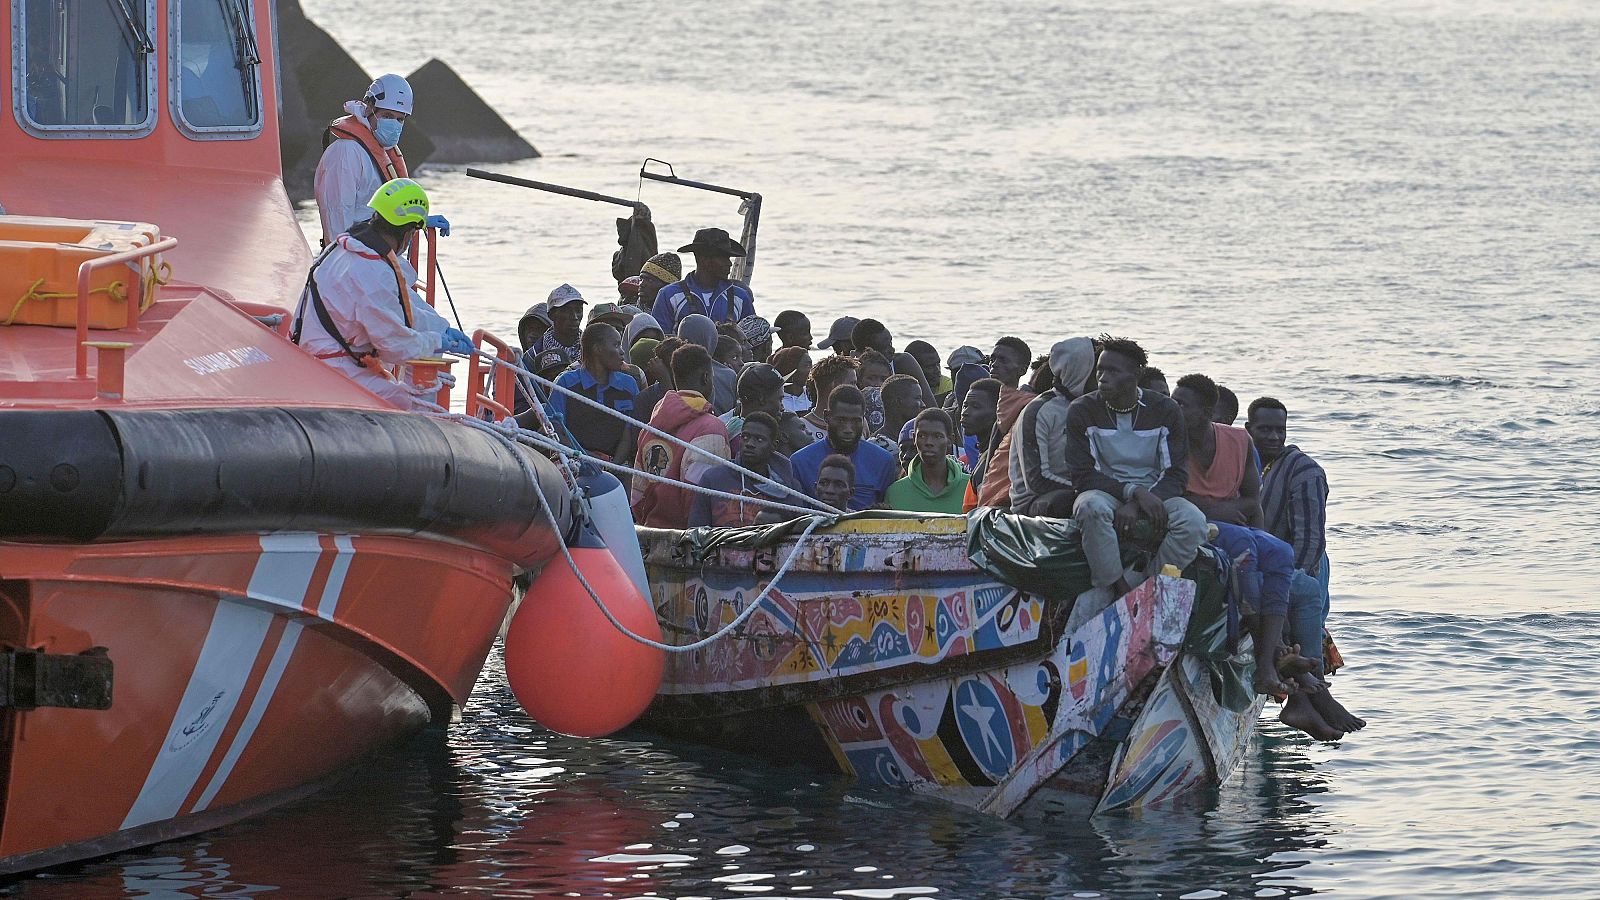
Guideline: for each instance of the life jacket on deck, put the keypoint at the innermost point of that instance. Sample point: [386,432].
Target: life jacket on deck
[390,162]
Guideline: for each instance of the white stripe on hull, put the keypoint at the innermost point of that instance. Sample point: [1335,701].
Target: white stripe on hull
[219,675]
[282,577]
[280,661]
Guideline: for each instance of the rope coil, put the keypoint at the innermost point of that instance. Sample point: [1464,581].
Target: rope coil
[150,278]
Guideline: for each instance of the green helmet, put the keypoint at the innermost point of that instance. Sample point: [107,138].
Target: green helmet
[401,202]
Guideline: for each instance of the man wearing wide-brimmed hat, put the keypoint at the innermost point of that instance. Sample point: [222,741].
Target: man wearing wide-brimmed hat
[706,291]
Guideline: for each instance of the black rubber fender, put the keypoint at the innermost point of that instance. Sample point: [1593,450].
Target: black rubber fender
[125,474]
[60,475]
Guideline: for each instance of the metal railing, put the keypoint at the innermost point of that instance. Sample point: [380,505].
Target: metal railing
[135,295]
[503,401]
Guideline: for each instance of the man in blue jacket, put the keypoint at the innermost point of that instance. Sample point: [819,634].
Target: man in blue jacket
[707,290]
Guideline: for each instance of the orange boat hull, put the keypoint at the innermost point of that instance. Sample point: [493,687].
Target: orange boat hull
[246,668]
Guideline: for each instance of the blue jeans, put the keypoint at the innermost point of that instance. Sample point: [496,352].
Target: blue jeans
[1308,610]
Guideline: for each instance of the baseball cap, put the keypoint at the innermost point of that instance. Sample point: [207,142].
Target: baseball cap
[754,329]
[539,311]
[840,331]
[604,311]
[563,295]
[963,356]
[553,359]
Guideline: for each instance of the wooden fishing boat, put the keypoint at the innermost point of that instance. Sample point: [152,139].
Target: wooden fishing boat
[226,571]
[885,653]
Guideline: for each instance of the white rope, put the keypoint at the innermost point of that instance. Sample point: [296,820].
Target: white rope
[673,439]
[536,440]
[541,442]
[555,526]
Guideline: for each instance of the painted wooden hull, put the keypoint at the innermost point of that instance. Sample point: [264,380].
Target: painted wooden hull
[247,668]
[885,654]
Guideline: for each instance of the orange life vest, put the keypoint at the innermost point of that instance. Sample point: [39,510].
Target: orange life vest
[390,162]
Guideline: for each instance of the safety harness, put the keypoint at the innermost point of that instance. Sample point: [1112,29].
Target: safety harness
[368,235]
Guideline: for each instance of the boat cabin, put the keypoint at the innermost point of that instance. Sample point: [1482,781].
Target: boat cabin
[159,111]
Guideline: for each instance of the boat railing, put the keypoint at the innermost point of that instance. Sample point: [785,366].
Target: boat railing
[502,399]
[135,299]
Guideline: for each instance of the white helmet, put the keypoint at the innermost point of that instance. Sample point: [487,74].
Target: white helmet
[390,92]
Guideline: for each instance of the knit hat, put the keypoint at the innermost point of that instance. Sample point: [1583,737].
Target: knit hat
[629,287]
[643,351]
[664,267]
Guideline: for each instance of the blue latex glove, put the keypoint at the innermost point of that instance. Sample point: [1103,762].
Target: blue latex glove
[456,341]
[441,223]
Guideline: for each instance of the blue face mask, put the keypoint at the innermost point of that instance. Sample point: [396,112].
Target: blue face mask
[387,131]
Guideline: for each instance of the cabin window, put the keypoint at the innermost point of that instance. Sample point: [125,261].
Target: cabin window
[215,64]
[84,67]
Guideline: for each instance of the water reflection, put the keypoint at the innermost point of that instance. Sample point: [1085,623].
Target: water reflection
[497,805]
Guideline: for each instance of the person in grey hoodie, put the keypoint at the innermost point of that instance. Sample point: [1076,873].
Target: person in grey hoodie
[1128,452]
[698,329]
[1041,480]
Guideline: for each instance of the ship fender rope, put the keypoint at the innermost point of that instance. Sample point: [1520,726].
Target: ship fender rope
[673,439]
[545,443]
[555,525]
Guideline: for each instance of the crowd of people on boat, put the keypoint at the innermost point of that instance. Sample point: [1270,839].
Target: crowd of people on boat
[1088,431]
[745,419]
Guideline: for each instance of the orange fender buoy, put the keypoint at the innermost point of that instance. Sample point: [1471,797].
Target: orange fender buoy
[568,666]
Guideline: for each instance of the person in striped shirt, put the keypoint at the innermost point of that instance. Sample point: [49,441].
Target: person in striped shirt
[1294,506]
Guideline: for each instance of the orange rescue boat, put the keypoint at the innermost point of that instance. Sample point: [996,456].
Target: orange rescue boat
[226,571]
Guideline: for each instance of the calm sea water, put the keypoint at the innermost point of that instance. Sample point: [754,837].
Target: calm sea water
[1383,213]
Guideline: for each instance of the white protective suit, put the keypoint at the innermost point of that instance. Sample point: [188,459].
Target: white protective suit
[346,180]
[359,290]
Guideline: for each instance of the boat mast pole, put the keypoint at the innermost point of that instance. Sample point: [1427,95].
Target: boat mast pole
[750,209]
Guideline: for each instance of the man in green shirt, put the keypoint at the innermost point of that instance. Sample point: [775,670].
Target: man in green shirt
[935,482]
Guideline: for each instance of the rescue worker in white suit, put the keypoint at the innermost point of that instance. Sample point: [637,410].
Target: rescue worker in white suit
[361,151]
[359,312]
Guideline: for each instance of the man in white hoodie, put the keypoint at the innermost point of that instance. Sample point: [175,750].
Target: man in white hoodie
[361,152]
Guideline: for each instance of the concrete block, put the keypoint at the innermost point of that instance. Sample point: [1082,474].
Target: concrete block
[462,127]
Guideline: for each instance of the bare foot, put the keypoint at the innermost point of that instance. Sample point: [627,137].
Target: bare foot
[1290,663]
[1268,634]
[1267,680]
[1300,715]
[1334,713]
